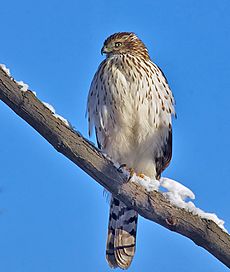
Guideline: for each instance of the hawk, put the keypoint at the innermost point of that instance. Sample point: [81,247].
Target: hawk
[130,105]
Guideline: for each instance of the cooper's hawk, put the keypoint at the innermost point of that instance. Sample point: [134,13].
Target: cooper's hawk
[131,106]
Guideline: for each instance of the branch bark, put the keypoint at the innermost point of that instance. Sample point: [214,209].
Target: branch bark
[151,205]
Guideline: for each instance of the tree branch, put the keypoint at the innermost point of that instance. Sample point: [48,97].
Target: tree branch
[151,205]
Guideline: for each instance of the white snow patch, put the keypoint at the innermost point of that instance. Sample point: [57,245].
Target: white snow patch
[176,191]
[62,118]
[209,216]
[23,86]
[5,69]
[148,183]
[52,109]
[178,194]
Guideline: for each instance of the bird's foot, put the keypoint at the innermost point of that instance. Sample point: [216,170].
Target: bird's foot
[140,175]
[131,173]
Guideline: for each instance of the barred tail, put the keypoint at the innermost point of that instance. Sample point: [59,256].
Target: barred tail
[121,241]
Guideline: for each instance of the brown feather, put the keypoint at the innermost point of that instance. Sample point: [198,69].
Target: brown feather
[121,241]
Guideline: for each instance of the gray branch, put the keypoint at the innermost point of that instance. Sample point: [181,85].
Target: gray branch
[151,205]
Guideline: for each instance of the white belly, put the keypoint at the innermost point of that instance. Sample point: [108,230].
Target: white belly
[134,141]
[131,117]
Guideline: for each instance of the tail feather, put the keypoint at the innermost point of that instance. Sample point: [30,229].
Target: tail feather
[121,241]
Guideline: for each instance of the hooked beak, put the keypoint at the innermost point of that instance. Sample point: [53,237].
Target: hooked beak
[104,50]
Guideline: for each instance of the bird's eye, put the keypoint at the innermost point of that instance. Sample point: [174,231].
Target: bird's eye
[117,44]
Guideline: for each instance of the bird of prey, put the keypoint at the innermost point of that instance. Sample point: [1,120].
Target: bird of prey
[130,105]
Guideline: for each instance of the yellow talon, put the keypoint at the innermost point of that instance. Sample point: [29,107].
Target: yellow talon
[131,170]
[141,175]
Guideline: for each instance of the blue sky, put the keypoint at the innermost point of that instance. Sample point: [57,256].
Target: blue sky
[53,217]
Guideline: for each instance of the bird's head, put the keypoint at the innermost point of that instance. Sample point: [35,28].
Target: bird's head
[124,43]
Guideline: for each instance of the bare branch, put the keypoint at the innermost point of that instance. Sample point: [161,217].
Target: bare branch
[151,205]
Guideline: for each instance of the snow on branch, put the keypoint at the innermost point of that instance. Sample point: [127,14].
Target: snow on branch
[178,195]
[169,208]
